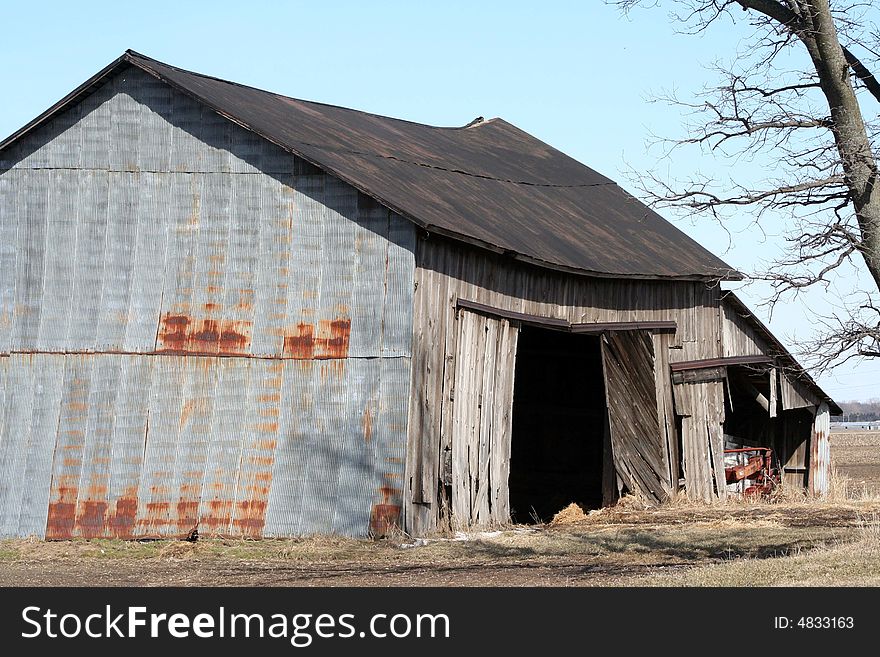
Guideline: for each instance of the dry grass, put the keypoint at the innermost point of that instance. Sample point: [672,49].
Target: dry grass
[853,562]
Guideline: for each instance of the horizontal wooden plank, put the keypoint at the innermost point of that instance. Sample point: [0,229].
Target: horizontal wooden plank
[549,322]
[699,376]
[720,362]
[601,327]
[565,325]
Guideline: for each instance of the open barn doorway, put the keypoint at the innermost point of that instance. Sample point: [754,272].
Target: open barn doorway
[558,434]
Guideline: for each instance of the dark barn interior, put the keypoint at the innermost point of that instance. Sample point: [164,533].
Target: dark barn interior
[558,424]
[747,421]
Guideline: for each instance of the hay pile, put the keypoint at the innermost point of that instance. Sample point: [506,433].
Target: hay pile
[569,515]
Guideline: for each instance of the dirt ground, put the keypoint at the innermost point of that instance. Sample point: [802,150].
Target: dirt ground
[790,541]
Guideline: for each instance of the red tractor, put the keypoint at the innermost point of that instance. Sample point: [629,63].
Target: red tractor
[751,471]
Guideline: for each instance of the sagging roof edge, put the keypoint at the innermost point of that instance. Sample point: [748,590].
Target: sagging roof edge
[132,58]
[799,374]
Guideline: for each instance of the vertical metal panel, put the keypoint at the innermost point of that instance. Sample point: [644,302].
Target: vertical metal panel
[156,513]
[8,248]
[340,202]
[262,429]
[224,459]
[213,140]
[184,201]
[65,148]
[186,150]
[291,469]
[123,217]
[154,133]
[273,234]
[211,196]
[127,446]
[31,206]
[390,450]
[125,121]
[398,315]
[148,262]
[93,496]
[306,266]
[322,464]
[62,224]
[194,438]
[243,253]
[820,452]
[357,446]
[73,422]
[16,435]
[94,132]
[90,260]
[370,271]
[40,445]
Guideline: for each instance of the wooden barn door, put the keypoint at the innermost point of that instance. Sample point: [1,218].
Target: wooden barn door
[481,419]
[638,448]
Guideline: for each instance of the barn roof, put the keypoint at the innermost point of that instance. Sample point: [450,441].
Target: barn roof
[487,183]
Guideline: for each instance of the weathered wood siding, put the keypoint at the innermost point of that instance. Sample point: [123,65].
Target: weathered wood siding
[738,338]
[480,456]
[701,406]
[447,271]
[197,329]
[639,451]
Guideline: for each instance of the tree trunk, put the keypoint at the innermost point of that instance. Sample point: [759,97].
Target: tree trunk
[860,170]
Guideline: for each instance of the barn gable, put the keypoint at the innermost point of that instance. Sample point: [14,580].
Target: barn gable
[488,183]
[183,303]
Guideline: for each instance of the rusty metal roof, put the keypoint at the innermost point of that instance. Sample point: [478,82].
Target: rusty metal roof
[488,183]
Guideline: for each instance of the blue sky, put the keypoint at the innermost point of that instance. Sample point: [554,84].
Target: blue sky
[575,74]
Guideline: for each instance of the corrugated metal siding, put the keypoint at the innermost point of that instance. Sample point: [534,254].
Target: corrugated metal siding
[99,257]
[86,453]
[197,329]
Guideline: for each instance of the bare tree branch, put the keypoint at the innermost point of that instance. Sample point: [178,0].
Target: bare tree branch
[806,126]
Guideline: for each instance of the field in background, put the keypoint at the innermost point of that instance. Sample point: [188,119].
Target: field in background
[791,540]
[855,455]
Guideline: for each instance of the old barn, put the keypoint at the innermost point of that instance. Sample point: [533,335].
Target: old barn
[228,310]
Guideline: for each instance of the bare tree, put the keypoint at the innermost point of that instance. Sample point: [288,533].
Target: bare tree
[800,95]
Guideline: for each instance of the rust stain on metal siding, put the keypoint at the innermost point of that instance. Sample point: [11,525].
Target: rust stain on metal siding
[122,521]
[300,345]
[367,424]
[90,520]
[385,516]
[251,516]
[330,341]
[62,513]
[182,334]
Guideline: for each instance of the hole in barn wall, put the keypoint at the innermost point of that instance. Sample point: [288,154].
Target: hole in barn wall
[558,424]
